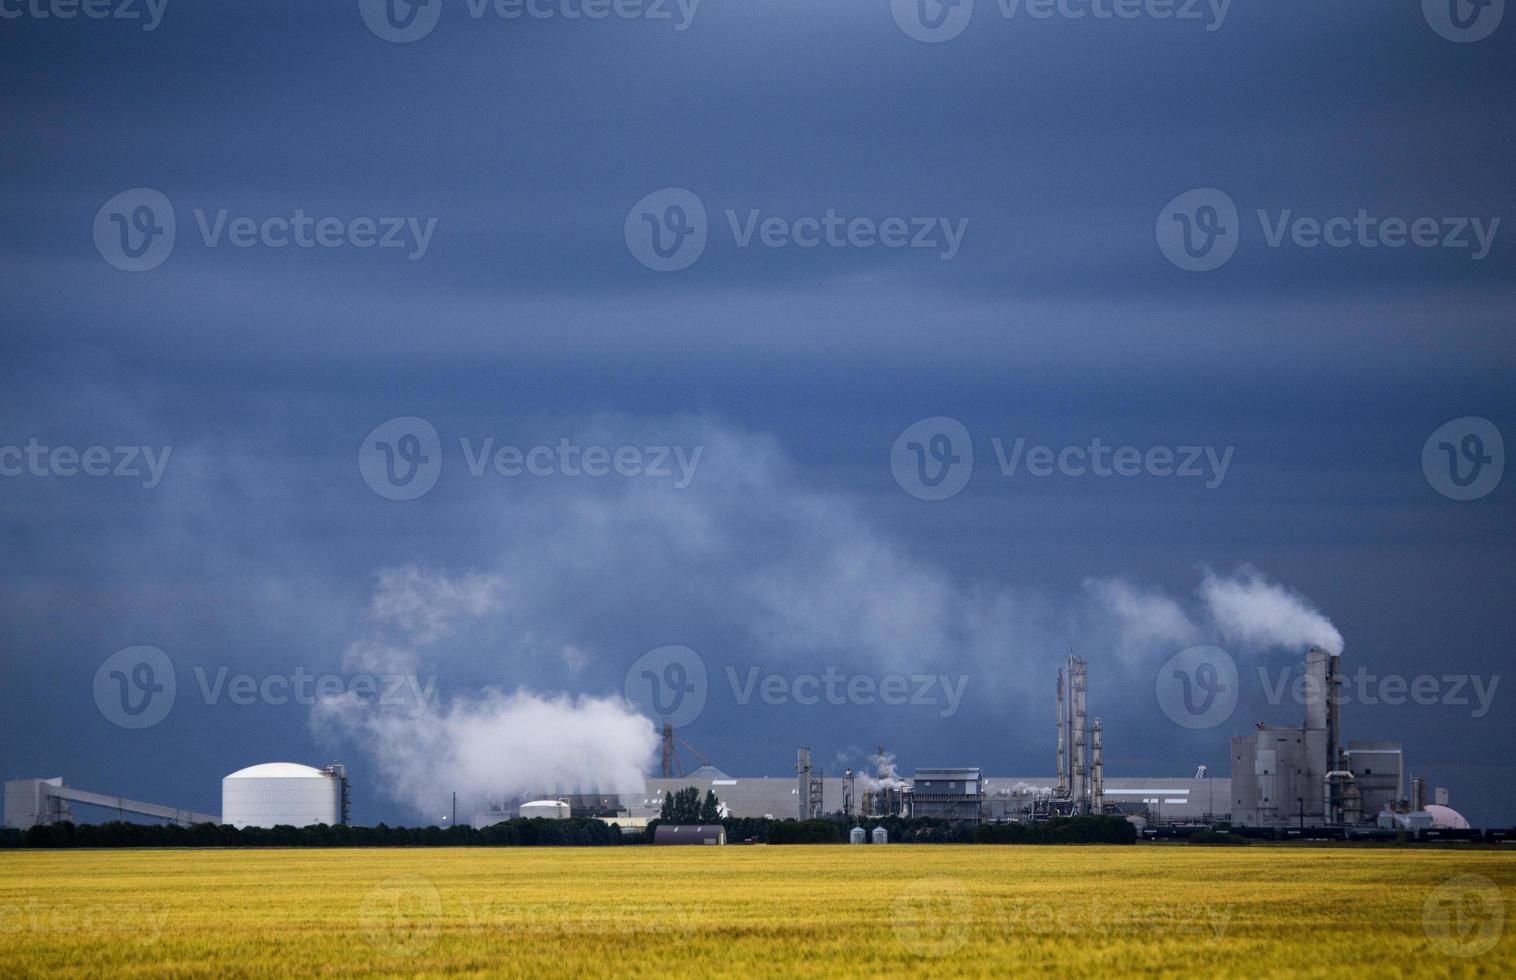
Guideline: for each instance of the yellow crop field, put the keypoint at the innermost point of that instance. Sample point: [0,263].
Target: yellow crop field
[759,911]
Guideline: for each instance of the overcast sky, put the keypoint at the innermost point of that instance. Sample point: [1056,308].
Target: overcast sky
[1035,292]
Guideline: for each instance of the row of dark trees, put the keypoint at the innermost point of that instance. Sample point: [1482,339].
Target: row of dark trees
[686,806]
[577,832]
[924,830]
[535,832]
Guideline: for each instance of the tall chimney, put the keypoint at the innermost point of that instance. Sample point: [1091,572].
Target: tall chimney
[1063,773]
[1097,770]
[1078,788]
[803,781]
[1334,718]
[1317,679]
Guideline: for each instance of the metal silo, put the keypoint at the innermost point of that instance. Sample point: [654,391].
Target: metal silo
[881,836]
[276,793]
[857,836]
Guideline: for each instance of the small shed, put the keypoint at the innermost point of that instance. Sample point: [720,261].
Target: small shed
[690,833]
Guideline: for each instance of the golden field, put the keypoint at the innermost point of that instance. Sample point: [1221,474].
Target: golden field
[759,911]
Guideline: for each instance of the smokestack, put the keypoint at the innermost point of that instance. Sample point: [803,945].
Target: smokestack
[1097,771]
[803,781]
[1334,718]
[1317,678]
[1063,773]
[1078,788]
[667,768]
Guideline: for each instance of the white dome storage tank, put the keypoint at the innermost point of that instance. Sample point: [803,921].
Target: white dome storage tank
[288,793]
[546,809]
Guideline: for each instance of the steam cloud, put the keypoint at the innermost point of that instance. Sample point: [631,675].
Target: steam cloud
[1250,610]
[490,743]
[747,554]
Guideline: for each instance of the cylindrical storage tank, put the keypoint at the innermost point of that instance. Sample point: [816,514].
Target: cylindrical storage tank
[281,793]
[857,836]
[547,809]
[881,836]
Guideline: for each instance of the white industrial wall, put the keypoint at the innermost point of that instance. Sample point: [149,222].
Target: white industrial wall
[268,801]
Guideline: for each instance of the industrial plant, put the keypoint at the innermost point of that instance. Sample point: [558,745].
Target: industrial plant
[1283,778]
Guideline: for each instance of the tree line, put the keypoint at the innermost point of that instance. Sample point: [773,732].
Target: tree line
[574,832]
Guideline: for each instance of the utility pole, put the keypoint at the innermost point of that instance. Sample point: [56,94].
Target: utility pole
[455,808]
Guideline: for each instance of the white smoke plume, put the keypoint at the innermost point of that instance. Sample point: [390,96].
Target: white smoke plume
[1249,610]
[499,744]
[885,775]
[750,553]
[490,743]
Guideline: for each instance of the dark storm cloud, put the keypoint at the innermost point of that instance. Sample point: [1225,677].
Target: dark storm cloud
[528,141]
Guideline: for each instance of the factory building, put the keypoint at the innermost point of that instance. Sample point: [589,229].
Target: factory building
[285,793]
[1304,776]
[948,794]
